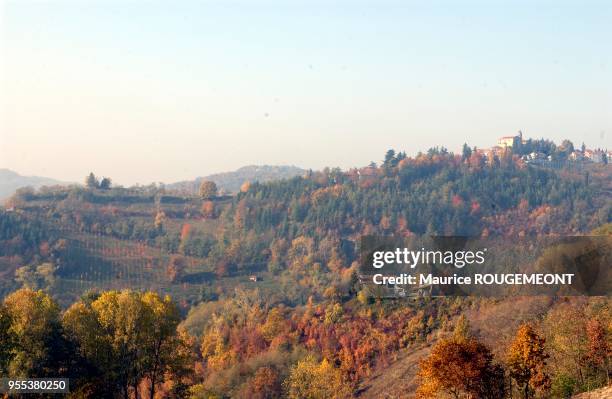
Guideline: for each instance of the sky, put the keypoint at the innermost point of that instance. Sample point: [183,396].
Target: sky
[145,91]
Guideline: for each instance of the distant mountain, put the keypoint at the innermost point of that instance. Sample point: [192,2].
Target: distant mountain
[231,181]
[11,181]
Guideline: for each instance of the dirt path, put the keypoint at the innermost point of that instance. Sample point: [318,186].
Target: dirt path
[603,393]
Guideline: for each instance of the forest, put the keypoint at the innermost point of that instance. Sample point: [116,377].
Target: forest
[149,292]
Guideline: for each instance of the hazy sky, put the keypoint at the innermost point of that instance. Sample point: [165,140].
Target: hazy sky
[147,91]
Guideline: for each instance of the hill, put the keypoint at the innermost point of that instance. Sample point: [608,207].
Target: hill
[231,181]
[268,277]
[11,181]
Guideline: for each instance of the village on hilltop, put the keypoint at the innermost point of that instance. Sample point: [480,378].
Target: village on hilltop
[520,146]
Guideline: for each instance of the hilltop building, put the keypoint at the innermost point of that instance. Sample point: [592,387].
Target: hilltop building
[509,141]
[596,156]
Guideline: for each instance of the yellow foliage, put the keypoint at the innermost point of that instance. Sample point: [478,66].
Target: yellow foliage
[313,380]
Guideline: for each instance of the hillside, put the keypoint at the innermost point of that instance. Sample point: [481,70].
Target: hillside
[267,278]
[603,393]
[11,181]
[231,181]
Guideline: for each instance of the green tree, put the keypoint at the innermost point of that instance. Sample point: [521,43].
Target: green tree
[91,181]
[466,152]
[105,183]
[390,159]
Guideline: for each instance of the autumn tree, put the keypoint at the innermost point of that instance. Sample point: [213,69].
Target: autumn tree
[527,361]
[598,348]
[128,336]
[6,340]
[462,329]
[266,383]
[160,218]
[208,189]
[36,277]
[245,186]
[208,209]
[165,348]
[314,380]
[185,236]
[176,268]
[567,343]
[278,249]
[36,333]
[274,325]
[461,367]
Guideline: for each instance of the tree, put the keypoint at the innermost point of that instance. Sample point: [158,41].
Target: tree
[36,278]
[265,384]
[466,152]
[567,146]
[599,351]
[6,340]
[390,159]
[129,336]
[176,268]
[91,181]
[275,324]
[36,331]
[160,218]
[208,190]
[566,342]
[462,329]
[27,277]
[105,183]
[245,186]
[313,380]
[527,361]
[461,367]
[165,349]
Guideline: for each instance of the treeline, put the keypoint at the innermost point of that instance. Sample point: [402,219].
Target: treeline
[113,344]
[133,345]
[130,344]
[546,357]
[306,227]
[429,195]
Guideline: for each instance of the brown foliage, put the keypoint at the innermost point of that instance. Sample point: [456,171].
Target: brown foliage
[527,361]
[461,367]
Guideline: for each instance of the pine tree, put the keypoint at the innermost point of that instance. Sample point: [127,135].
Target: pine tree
[91,181]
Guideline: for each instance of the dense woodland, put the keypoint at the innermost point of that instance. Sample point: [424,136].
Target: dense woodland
[86,270]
